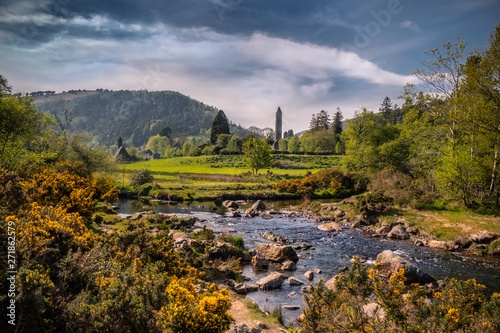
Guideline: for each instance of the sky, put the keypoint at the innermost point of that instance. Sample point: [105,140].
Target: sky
[246,57]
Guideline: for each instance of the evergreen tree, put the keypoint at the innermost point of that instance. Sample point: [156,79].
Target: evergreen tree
[320,121]
[337,122]
[220,125]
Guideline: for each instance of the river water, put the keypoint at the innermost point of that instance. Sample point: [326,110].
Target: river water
[333,251]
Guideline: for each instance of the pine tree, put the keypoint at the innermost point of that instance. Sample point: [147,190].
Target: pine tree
[220,125]
[337,122]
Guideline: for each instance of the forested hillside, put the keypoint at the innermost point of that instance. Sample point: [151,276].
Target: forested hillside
[133,115]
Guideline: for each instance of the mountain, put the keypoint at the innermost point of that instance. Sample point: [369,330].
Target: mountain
[132,115]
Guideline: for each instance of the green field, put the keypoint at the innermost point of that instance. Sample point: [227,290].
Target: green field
[233,165]
[214,176]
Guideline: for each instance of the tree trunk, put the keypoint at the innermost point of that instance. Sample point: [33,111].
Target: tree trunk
[493,174]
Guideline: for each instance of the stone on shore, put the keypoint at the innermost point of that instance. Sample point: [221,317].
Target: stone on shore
[260,263]
[398,232]
[288,265]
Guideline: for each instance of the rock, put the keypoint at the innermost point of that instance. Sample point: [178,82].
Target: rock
[292,215]
[398,232]
[137,216]
[212,274]
[268,235]
[230,204]
[240,289]
[483,237]
[418,242]
[316,270]
[241,202]
[373,310]
[222,250]
[307,289]
[494,248]
[331,284]
[246,257]
[266,216]
[339,213]
[251,287]
[384,230]
[295,282]
[291,307]
[250,212]
[309,275]
[392,263]
[260,263]
[272,281]
[293,293]
[448,246]
[357,224]
[305,246]
[282,240]
[258,206]
[218,202]
[288,265]
[277,253]
[235,214]
[330,227]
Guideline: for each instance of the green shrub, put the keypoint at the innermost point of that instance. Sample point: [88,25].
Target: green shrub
[141,177]
[372,203]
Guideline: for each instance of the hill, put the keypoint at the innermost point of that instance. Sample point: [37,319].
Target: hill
[133,115]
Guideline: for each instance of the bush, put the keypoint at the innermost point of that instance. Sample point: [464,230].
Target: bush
[372,203]
[141,177]
[460,306]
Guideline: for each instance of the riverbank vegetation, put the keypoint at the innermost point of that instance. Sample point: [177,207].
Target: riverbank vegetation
[65,273]
[364,300]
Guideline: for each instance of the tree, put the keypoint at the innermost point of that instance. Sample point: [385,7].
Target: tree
[21,128]
[234,145]
[166,131]
[294,144]
[337,122]
[386,110]
[220,126]
[338,148]
[288,134]
[158,144]
[320,121]
[257,154]
[282,144]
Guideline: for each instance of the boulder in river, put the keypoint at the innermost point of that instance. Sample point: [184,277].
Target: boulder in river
[309,275]
[295,282]
[288,265]
[260,263]
[259,206]
[272,281]
[230,204]
[277,253]
[448,246]
[331,284]
[330,227]
[391,263]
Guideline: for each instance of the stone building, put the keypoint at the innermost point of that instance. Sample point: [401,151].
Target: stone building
[121,153]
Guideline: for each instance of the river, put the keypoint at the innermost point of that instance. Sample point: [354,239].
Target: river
[332,252]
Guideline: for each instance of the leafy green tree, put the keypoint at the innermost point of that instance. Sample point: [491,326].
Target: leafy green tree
[294,144]
[257,154]
[187,149]
[166,131]
[338,147]
[321,140]
[22,129]
[234,145]
[220,126]
[282,144]
[158,144]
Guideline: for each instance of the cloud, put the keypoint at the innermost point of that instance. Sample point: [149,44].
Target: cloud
[247,76]
[410,25]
